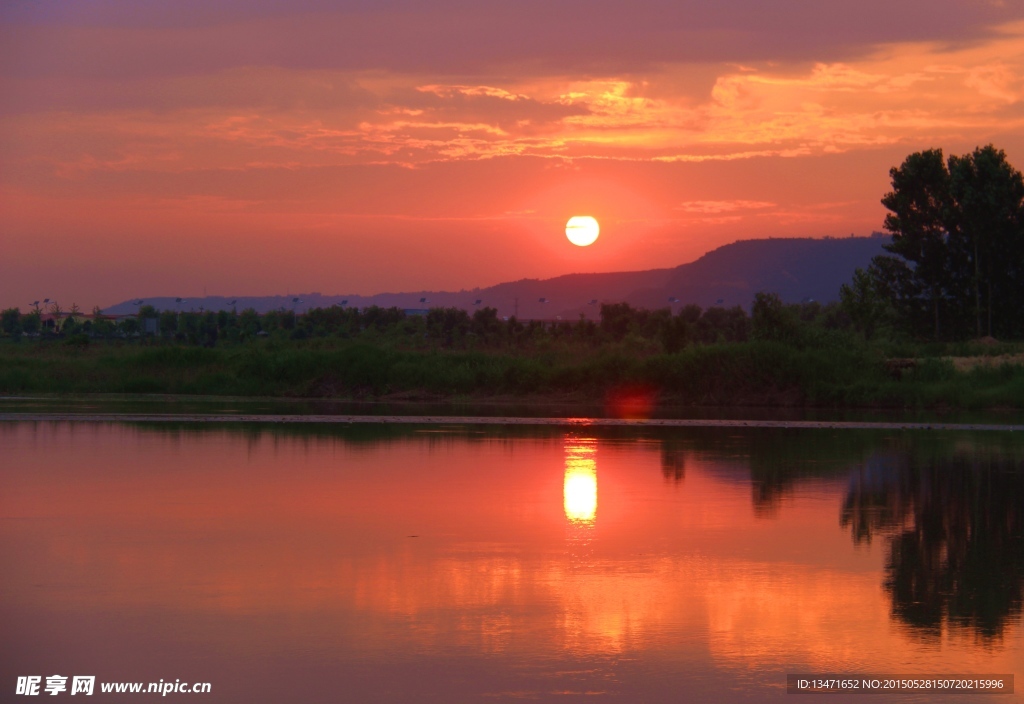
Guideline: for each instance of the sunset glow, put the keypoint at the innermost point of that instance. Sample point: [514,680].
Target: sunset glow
[271,148]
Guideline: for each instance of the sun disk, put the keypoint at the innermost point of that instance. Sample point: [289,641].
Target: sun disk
[582,230]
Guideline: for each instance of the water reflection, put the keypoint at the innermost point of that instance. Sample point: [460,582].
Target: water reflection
[954,529]
[673,461]
[220,549]
[579,489]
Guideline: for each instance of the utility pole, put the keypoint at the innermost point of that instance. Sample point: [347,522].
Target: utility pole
[516,313]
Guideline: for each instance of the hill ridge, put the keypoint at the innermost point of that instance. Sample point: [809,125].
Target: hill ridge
[797,268]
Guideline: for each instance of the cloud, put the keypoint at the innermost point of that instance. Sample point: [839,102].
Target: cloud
[130,39]
[715,207]
[900,93]
[673,112]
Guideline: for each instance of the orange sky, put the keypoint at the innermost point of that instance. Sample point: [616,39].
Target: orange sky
[258,148]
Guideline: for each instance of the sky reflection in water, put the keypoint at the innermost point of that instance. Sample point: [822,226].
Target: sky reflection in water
[427,564]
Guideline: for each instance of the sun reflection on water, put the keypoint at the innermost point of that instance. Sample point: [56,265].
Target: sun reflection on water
[580,487]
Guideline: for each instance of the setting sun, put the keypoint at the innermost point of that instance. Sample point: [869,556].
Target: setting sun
[582,230]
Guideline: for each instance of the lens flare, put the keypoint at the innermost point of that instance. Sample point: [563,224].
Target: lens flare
[630,402]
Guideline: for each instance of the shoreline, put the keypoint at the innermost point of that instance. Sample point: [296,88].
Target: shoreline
[322,419]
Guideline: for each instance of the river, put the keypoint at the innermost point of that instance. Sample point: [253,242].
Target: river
[485,563]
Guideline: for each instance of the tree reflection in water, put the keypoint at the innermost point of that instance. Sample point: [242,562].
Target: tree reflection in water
[955,532]
[673,461]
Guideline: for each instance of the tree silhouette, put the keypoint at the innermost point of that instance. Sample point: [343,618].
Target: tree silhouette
[956,262]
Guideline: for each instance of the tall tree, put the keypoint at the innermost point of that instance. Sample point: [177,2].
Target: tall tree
[958,245]
[919,204]
[985,227]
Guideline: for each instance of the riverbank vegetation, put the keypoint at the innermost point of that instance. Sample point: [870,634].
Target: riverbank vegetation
[778,355]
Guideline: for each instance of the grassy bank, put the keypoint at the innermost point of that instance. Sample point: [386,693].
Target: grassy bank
[752,373]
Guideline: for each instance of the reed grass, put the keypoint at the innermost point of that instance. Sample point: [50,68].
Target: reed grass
[740,373]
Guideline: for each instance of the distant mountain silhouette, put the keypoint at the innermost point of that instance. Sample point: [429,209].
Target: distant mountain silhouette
[798,269]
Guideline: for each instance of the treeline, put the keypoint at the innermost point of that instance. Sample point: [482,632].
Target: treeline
[454,328]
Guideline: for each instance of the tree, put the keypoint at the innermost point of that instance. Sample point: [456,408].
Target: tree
[227,320]
[168,323]
[100,326]
[129,327]
[957,244]
[384,318]
[769,319]
[919,203]
[985,235]
[866,302]
[71,324]
[32,323]
[208,329]
[617,319]
[485,323]
[249,322]
[10,321]
[56,311]
[717,324]
[189,324]
[447,324]
[672,335]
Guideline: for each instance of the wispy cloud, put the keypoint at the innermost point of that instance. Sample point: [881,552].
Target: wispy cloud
[714,207]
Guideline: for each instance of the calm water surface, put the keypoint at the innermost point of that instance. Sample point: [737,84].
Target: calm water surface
[449,564]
